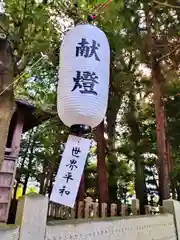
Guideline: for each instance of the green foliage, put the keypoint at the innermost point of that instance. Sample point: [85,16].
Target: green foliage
[130,120]
[30,27]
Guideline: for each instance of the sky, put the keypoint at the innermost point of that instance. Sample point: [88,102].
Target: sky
[1,6]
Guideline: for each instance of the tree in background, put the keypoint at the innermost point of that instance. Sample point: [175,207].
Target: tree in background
[26,31]
[132,140]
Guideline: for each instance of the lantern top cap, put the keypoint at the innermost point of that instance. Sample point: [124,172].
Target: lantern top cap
[88,25]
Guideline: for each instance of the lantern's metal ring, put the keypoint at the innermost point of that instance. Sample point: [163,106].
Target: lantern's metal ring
[80,129]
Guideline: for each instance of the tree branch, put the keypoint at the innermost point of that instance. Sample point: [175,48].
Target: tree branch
[165,4]
[20,65]
[169,53]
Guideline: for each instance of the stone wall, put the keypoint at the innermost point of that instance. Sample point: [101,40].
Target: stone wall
[9,232]
[131,228]
[32,225]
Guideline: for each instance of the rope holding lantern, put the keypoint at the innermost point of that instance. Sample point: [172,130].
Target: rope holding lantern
[92,17]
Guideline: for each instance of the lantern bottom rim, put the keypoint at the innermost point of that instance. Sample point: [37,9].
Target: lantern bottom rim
[80,129]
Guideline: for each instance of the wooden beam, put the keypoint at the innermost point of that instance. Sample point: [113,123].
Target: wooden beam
[15,146]
[6,184]
[8,171]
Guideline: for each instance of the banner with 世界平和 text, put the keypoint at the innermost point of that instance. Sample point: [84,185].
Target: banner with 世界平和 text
[69,174]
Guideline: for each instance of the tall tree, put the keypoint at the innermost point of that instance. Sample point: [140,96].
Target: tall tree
[23,36]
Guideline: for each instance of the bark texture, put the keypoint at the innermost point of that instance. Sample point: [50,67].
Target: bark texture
[101,165]
[161,135]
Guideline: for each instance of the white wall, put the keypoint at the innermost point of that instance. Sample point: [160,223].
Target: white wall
[137,228]
[9,233]
[32,213]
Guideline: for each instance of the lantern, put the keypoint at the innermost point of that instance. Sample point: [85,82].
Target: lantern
[83,84]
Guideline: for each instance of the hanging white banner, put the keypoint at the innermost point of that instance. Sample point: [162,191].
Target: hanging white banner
[69,174]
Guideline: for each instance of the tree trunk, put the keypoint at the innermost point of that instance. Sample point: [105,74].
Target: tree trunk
[101,164]
[80,195]
[163,164]
[42,179]
[173,189]
[178,192]
[50,186]
[136,136]
[25,183]
[6,94]
[51,169]
[31,155]
[161,138]
[22,164]
[112,178]
[140,184]
[111,154]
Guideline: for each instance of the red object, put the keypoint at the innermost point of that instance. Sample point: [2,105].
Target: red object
[99,9]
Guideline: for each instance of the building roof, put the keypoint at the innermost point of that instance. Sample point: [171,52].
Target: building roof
[23,102]
[32,116]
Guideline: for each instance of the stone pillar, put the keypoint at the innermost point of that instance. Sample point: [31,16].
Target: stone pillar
[31,216]
[173,207]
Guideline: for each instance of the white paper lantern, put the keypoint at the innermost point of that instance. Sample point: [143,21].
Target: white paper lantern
[83,76]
